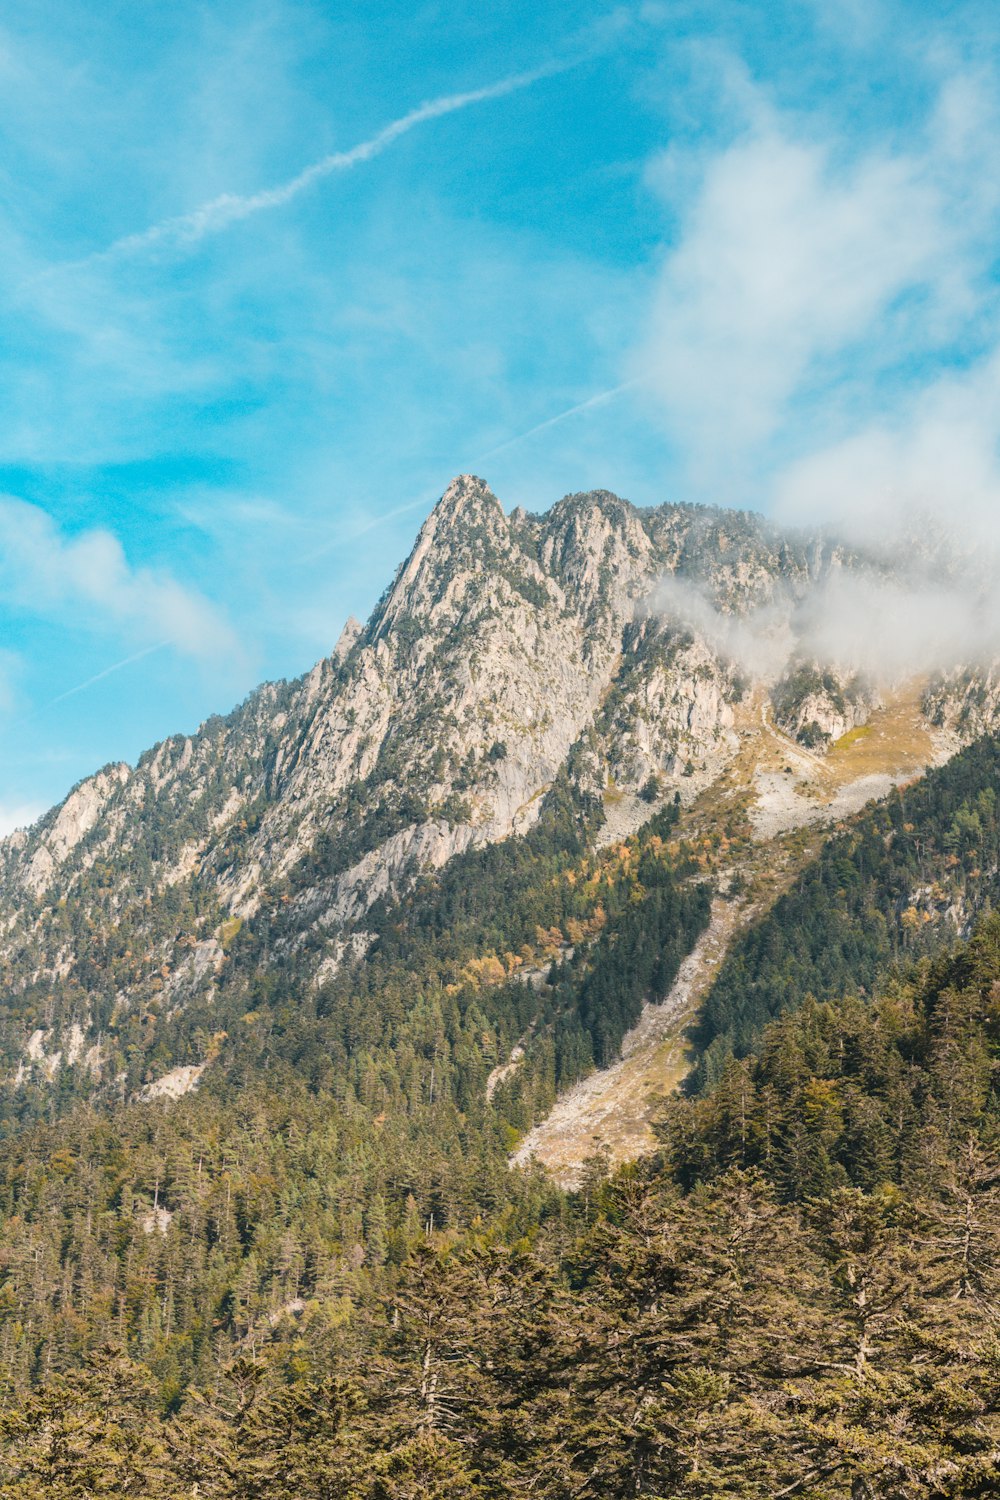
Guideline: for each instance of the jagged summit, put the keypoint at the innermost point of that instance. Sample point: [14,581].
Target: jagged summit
[466,530]
[467,506]
[465,493]
[347,638]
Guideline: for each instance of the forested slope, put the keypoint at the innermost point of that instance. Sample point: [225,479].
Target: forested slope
[337,1124]
[908,876]
[801,1296]
[340,1126]
[374,919]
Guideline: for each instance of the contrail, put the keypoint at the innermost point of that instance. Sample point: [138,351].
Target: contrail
[570,411]
[217,213]
[390,515]
[99,676]
[428,499]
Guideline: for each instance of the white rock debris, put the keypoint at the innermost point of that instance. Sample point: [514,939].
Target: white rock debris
[175,1084]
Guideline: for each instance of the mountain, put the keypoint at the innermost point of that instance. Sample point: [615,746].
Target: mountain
[508,652]
[324,1029]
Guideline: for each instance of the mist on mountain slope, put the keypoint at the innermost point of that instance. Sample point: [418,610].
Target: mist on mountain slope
[915,602]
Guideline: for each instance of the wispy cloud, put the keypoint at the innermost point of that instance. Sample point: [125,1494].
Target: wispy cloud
[228,208]
[809,263]
[48,574]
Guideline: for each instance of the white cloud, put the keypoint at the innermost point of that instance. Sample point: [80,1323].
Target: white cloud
[760,641]
[826,333]
[888,628]
[895,629]
[932,461]
[47,573]
[804,270]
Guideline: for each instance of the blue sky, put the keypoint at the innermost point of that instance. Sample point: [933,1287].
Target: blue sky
[259,305]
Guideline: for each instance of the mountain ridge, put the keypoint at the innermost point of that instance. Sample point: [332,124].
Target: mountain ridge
[506,652]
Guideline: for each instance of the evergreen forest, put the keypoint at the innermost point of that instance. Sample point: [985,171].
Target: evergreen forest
[316,1274]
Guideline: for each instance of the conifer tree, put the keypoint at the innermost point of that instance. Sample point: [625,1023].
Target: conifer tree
[93,1433]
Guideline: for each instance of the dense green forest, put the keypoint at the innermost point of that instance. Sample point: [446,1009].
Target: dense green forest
[317,1275]
[900,882]
[461,940]
[799,1296]
[335,1125]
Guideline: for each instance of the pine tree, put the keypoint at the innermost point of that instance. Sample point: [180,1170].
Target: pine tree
[427,1467]
[94,1433]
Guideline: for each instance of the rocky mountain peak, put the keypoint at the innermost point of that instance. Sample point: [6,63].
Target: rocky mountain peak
[467,497]
[466,530]
[467,515]
[598,548]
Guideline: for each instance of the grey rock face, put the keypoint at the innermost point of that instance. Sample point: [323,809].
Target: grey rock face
[816,705]
[966,701]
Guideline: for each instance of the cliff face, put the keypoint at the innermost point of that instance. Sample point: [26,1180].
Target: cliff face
[967,702]
[508,651]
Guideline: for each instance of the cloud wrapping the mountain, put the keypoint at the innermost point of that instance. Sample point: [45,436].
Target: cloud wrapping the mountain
[893,629]
[825,336]
[760,641]
[887,627]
